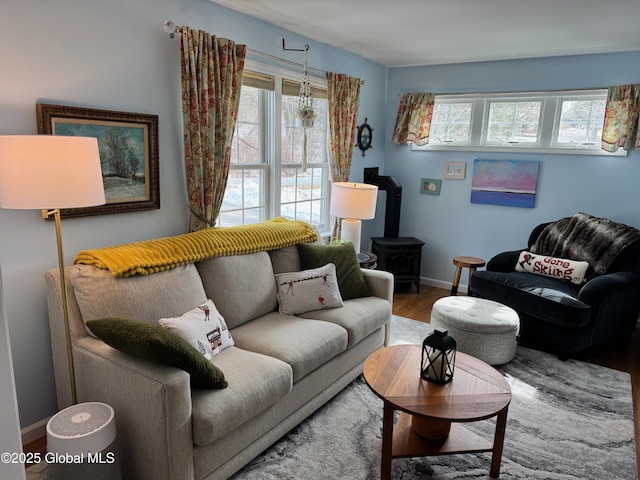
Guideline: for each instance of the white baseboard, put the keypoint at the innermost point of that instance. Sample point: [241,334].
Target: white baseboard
[35,431]
[432,282]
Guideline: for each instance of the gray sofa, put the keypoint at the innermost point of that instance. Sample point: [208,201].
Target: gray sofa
[281,369]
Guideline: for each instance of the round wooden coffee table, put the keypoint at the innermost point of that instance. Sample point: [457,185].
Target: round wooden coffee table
[476,392]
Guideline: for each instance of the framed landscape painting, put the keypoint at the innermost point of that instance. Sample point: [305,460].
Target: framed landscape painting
[505,182]
[128,144]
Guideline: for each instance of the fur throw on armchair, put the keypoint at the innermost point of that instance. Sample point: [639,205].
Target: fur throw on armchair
[587,238]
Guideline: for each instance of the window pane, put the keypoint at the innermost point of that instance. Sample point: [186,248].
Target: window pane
[245,190]
[513,122]
[451,123]
[292,143]
[303,195]
[581,122]
[246,146]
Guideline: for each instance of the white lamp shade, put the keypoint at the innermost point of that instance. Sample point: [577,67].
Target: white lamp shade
[353,200]
[49,171]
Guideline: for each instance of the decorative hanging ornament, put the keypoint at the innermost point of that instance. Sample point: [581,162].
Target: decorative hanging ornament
[305,111]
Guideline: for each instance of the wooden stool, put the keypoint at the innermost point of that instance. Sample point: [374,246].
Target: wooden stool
[465,262]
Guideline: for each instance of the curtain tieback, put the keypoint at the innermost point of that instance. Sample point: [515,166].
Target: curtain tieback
[211,223]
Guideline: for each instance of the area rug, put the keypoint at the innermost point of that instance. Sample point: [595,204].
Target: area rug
[567,421]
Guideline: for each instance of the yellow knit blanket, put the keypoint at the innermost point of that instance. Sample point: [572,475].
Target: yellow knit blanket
[150,256]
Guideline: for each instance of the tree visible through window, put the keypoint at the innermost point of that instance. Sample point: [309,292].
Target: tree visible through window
[513,122]
[266,178]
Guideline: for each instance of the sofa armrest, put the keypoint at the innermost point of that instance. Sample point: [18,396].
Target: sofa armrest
[596,290]
[504,262]
[152,405]
[380,283]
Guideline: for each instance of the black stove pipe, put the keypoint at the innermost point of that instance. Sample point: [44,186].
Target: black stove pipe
[394,198]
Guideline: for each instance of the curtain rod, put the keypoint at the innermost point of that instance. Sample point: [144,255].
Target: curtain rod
[171,28]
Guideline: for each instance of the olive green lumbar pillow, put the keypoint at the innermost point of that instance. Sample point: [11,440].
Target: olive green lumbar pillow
[157,344]
[350,278]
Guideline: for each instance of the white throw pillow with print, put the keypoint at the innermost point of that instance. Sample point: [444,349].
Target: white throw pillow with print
[203,327]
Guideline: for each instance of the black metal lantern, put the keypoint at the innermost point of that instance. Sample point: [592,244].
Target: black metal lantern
[438,357]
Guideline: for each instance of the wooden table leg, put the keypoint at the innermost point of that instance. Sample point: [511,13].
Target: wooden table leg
[498,443]
[471,272]
[456,280]
[387,440]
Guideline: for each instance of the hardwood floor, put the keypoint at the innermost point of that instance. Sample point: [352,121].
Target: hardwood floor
[418,307]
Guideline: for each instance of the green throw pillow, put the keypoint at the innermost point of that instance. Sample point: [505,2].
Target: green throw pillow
[157,344]
[350,278]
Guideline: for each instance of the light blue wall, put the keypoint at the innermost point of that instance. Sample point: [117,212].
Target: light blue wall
[115,56]
[451,225]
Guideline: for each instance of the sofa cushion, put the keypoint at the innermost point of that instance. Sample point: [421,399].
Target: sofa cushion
[146,298]
[203,327]
[302,343]
[359,316]
[286,259]
[546,298]
[255,382]
[561,268]
[157,344]
[307,290]
[242,286]
[350,278]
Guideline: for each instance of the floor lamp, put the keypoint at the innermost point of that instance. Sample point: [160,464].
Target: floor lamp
[48,173]
[353,202]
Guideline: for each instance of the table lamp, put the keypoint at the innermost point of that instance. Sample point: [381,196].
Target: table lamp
[50,172]
[353,202]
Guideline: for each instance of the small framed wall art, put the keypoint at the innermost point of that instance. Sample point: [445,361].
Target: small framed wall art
[454,170]
[430,186]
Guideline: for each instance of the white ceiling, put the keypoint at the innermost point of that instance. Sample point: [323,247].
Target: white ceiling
[400,33]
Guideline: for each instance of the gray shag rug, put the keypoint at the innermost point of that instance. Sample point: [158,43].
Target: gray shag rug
[567,421]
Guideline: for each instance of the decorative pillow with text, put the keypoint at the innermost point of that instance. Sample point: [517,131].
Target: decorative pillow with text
[307,290]
[569,270]
[203,327]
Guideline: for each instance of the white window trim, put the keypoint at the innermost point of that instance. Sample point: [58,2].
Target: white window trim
[548,124]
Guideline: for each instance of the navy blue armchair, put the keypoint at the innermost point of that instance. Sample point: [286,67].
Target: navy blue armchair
[560,316]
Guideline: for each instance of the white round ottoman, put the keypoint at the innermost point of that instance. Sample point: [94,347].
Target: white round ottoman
[481,328]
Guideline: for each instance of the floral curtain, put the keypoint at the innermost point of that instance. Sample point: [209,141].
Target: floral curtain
[344,100]
[413,121]
[211,70]
[620,127]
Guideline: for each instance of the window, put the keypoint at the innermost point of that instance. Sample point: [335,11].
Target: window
[451,123]
[550,122]
[513,122]
[580,121]
[265,176]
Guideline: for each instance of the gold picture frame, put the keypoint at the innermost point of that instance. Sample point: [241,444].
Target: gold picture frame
[128,144]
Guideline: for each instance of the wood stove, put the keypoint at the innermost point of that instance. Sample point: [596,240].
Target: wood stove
[401,256]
